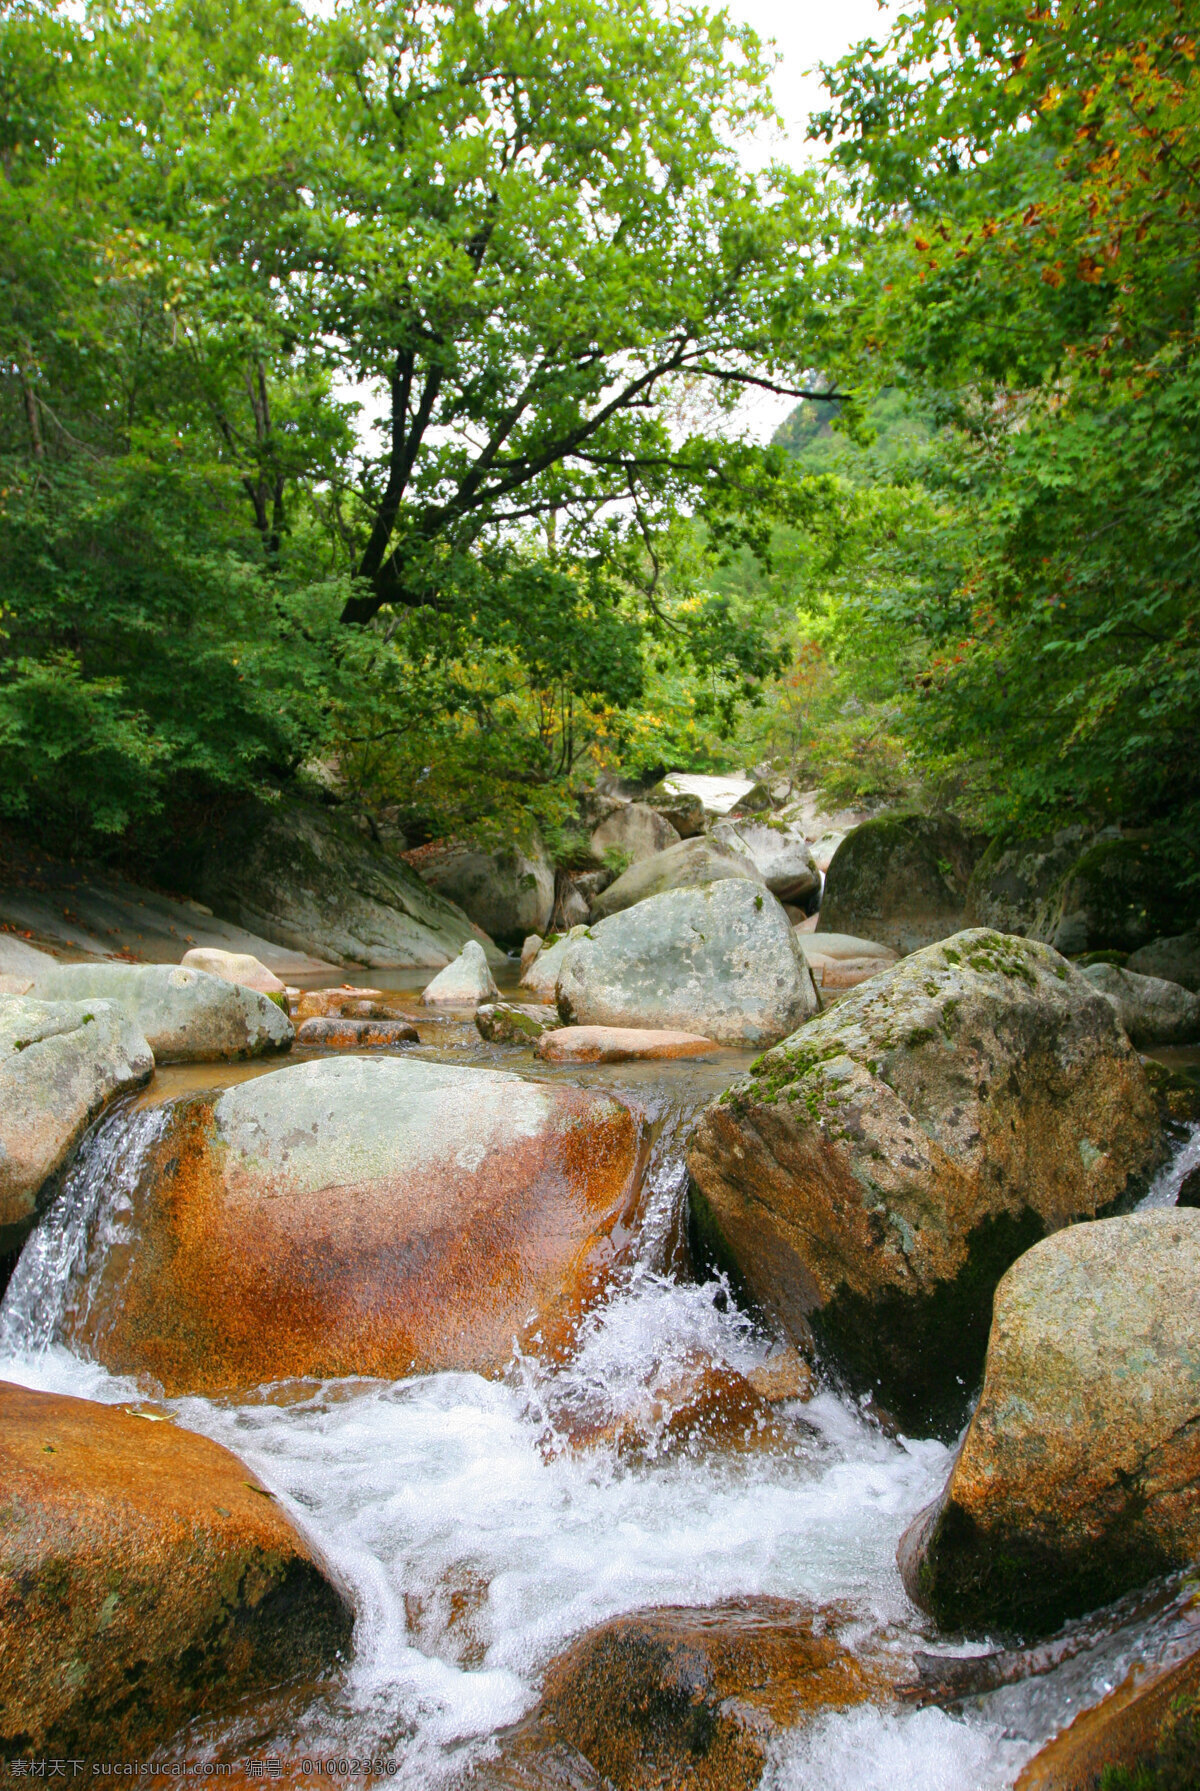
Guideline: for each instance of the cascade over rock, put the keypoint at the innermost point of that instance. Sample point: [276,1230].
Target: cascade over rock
[875,1174]
[186,1016]
[720,960]
[146,1578]
[1078,1477]
[365,1216]
[61,1062]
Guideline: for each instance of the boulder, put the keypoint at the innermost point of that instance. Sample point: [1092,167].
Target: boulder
[467,981]
[1175,960]
[186,1016]
[233,967]
[349,1004]
[512,1022]
[541,979]
[692,864]
[1151,1011]
[1118,895]
[146,1578]
[694,1697]
[530,948]
[355,1215]
[1077,1478]
[875,1174]
[720,960]
[636,829]
[901,879]
[839,961]
[778,852]
[306,877]
[618,1044]
[1013,880]
[61,1062]
[759,799]
[681,808]
[1148,1728]
[508,893]
[357,1035]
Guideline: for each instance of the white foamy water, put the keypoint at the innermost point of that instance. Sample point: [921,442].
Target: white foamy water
[475,1542]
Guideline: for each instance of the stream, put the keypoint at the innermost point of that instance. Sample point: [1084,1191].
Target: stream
[475,1541]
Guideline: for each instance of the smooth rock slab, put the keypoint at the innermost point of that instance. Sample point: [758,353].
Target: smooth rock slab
[691,864]
[1153,1012]
[720,960]
[1079,1476]
[61,1062]
[233,967]
[341,1034]
[146,1578]
[466,982]
[618,1044]
[375,1216]
[875,1174]
[186,1016]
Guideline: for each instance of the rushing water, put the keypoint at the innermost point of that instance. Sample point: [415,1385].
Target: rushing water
[475,1541]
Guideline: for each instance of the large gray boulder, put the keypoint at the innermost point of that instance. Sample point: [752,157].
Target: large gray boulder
[1152,1012]
[1077,1479]
[1175,960]
[376,1216]
[875,1174]
[1012,882]
[780,853]
[508,894]
[61,1062]
[186,1016]
[634,828]
[692,864]
[720,960]
[900,879]
[307,878]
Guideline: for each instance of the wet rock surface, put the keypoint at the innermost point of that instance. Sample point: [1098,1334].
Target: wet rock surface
[900,879]
[1079,1476]
[618,1044]
[876,1173]
[145,1575]
[359,1216]
[61,1062]
[681,1697]
[513,1022]
[186,1016]
[692,864]
[720,960]
[341,1034]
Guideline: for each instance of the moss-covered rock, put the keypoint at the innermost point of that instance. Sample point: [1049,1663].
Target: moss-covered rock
[900,879]
[1077,1479]
[1013,880]
[146,1578]
[874,1175]
[1118,895]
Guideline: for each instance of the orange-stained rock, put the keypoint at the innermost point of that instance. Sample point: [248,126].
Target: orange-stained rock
[1151,1720]
[349,1004]
[375,1216]
[785,1375]
[691,1698]
[145,1577]
[355,1035]
[618,1044]
[697,1407]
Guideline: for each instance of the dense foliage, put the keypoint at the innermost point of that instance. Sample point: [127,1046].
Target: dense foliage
[226,233]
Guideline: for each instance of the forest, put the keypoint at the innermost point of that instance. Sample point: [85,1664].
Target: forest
[369,414]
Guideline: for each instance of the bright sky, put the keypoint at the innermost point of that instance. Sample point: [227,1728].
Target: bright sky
[806,32]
